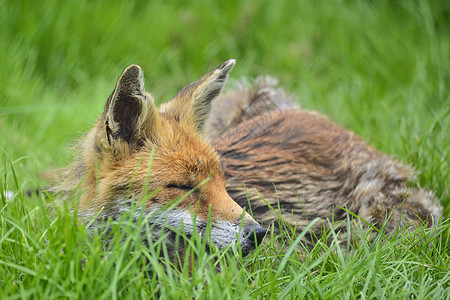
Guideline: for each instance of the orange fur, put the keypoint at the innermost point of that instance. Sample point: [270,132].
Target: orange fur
[136,149]
[300,162]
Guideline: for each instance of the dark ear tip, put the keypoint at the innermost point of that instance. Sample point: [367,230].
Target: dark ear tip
[133,71]
[227,65]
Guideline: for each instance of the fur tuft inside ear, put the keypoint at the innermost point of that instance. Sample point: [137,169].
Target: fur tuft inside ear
[130,118]
[124,107]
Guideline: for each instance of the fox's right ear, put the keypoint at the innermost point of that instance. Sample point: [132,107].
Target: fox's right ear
[129,112]
[193,103]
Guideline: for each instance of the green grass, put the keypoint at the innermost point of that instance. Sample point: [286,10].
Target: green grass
[380,68]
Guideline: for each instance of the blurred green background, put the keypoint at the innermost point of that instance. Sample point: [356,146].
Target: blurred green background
[380,68]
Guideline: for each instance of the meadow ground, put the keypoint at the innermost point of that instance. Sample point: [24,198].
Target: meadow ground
[380,68]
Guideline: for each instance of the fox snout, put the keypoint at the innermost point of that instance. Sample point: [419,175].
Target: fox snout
[247,233]
[251,236]
[255,233]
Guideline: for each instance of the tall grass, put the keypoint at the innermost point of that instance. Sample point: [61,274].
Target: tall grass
[47,253]
[380,68]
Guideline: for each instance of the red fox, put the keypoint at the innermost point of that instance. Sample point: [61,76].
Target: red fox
[305,166]
[263,147]
[136,149]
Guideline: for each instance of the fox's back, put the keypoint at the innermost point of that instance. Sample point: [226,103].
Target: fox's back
[306,166]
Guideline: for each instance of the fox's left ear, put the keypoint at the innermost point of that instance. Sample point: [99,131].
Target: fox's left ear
[130,115]
[193,103]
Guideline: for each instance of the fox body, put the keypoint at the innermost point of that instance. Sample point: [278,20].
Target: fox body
[299,162]
[139,153]
[307,167]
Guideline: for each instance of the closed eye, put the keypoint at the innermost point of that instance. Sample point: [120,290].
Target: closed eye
[186,188]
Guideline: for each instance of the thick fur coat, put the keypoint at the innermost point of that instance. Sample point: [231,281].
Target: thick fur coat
[305,166]
[265,152]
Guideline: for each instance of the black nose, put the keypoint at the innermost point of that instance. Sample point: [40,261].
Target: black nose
[255,233]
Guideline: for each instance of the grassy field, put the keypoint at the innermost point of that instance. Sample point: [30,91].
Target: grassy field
[380,68]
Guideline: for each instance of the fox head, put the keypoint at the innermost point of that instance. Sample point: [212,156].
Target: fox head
[137,150]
